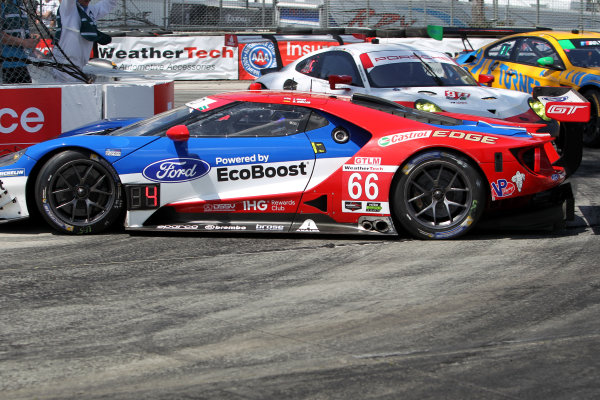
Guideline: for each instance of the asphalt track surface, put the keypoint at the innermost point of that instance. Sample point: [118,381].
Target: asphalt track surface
[498,314]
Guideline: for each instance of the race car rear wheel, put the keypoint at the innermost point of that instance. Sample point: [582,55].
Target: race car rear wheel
[591,129]
[78,193]
[438,195]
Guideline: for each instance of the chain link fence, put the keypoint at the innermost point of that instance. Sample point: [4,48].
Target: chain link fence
[253,15]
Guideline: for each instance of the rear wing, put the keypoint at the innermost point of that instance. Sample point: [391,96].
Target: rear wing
[563,103]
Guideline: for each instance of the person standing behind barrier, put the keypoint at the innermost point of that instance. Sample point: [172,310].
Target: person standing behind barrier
[76,32]
[15,38]
[48,14]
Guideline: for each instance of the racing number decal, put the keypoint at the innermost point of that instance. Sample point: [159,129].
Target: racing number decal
[355,186]
[366,185]
[364,192]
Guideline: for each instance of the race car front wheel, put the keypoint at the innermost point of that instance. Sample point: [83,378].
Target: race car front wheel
[438,195]
[79,193]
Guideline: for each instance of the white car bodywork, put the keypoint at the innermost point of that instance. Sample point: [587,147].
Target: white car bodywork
[403,74]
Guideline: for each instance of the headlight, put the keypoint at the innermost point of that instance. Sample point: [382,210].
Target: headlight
[538,108]
[425,105]
[11,158]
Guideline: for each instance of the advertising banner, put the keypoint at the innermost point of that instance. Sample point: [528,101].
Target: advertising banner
[291,50]
[255,56]
[174,57]
[28,116]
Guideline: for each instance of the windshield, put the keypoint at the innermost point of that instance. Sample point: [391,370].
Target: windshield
[582,52]
[419,71]
[158,124]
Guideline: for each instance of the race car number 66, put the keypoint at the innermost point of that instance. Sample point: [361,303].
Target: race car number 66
[355,189]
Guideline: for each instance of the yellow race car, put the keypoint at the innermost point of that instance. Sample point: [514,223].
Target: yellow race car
[545,58]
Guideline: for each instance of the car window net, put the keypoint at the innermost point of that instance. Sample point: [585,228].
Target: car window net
[252,120]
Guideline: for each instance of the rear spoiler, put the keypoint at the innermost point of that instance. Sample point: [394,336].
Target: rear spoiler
[563,103]
[566,105]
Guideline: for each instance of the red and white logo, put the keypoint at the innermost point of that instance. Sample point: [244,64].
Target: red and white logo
[231,40]
[29,116]
[568,112]
[454,95]
[367,160]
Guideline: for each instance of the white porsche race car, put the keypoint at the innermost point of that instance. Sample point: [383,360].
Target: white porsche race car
[423,79]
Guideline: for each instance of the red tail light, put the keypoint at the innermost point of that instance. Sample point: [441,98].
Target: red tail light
[255,86]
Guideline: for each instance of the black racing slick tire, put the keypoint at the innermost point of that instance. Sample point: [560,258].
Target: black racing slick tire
[438,195]
[78,193]
[591,129]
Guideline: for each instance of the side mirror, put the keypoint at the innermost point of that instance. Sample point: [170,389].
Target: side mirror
[178,133]
[545,61]
[339,80]
[485,79]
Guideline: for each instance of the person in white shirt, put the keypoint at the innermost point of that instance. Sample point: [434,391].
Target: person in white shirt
[76,33]
[48,13]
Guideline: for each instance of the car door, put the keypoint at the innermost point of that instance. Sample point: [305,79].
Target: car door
[244,167]
[514,64]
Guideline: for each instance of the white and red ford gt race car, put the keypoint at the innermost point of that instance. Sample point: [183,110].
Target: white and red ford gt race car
[263,161]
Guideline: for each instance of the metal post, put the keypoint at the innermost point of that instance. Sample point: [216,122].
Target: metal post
[165,11]
[594,5]
[220,12]
[495,12]
[581,6]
